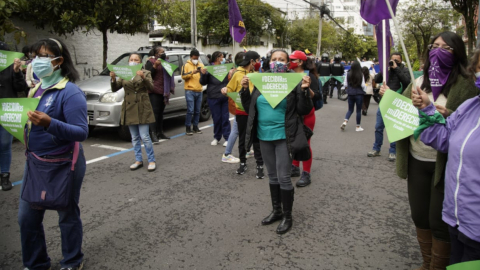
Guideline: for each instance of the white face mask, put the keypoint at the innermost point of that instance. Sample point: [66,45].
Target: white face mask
[195,62]
[133,63]
[477,75]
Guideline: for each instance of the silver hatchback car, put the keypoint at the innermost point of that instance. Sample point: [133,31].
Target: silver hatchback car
[104,106]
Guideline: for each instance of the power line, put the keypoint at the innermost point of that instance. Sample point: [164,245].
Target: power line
[331,18]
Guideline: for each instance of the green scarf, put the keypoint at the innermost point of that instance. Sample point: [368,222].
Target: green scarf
[427,121]
[52,79]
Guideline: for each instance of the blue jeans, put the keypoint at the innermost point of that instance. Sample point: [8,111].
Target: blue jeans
[232,138]
[5,150]
[352,101]
[194,103]
[220,115]
[34,248]
[379,127]
[140,133]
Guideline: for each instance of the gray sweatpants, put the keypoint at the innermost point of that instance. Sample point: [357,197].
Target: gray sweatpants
[278,162]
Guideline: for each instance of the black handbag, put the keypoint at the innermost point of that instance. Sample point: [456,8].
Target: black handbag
[300,147]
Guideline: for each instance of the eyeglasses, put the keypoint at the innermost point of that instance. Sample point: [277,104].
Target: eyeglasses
[435,46]
[44,56]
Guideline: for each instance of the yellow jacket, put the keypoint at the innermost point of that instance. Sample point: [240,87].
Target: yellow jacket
[192,81]
[235,84]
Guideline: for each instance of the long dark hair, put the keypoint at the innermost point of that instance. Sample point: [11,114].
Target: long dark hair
[355,75]
[239,58]
[366,74]
[58,48]
[215,55]
[472,67]
[456,43]
[310,66]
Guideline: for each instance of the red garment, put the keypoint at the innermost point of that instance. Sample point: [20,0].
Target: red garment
[158,79]
[309,121]
[239,112]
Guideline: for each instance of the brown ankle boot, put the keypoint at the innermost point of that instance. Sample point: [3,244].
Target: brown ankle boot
[440,255]
[424,238]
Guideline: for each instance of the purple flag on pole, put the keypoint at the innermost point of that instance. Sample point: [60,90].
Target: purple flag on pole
[236,25]
[374,11]
[389,43]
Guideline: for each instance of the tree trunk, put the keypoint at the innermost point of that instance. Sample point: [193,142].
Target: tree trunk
[105,48]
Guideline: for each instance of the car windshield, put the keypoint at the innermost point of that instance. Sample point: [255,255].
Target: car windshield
[123,61]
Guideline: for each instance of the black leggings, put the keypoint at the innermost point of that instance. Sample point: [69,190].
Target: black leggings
[242,150]
[158,106]
[426,200]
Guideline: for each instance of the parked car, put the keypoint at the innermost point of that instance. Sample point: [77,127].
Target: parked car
[104,106]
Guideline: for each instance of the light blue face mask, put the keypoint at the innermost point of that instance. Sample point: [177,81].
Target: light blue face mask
[43,67]
[223,61]
[133,63]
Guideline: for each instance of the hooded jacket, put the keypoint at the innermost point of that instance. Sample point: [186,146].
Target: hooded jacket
[192,81]
[12,83]
[460,137]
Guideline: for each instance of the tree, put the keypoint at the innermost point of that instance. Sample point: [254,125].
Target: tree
[423,19]
[66,16]
[467,8]
[7,8]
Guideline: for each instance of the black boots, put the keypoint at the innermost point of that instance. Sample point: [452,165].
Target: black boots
[305,180]
[295,171]
[277,206]
[162,136]
[6,184]
[287,202]
[280,197]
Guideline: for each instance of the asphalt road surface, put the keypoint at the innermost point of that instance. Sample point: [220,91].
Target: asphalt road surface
[194,212]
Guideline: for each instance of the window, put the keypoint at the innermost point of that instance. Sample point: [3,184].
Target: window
[204,60]
[350,20]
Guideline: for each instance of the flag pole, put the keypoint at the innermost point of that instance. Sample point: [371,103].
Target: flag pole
[414,87]
[233,44]
[384,45]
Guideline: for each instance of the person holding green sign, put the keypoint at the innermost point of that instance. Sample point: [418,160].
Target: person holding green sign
[217,102]
[12,82]
[137,112]
[163,86]
[281,134]
[422,165]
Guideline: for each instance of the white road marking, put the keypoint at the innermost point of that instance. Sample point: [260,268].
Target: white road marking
[96,160]
[109,147]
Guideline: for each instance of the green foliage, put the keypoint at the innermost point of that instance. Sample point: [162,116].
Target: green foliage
[7,9]
[66,16]
[467,8]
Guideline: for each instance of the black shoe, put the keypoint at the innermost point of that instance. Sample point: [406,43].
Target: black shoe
[325,102]
[304,180]
[364,112]
[163,136]
[242,169]
[260,174]
[79,267]
[287,202]
[277,213]
[189,132]
[295,171]
[154,138]
[6,184]
[196,130]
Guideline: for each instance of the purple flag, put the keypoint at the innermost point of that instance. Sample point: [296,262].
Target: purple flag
[236,22]
[374,11]
[389,43]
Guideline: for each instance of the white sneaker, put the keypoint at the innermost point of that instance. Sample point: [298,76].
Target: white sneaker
[225,144]
[214,142]
[230,159]
[342,127]
[358,129]
[250,154]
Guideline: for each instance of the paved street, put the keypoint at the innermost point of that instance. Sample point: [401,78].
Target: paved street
[194,212]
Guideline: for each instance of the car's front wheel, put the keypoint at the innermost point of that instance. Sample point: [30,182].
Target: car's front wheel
[204,110]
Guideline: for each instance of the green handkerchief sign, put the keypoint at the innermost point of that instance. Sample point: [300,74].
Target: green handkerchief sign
[324,79]
[339,78]
[7,58]
[399,115]
[472,265]
[13,114]
[236,98]
[125,72]
[275,86]
[170,68]
[219,71]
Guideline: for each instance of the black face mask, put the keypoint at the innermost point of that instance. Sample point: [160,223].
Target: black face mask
[162,56]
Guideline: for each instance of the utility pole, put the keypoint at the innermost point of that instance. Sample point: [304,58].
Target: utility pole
[193,22]
[319,41]
[478,25]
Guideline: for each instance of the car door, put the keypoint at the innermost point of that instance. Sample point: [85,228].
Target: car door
[177,101]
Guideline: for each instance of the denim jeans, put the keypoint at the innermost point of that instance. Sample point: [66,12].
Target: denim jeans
[34,248]
[232,138]
[379,127]
[140,133]
[220,115]
[5,150]
[355,100]
[194,104]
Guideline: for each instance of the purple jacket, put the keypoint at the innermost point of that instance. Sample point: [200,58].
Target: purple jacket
[460,137]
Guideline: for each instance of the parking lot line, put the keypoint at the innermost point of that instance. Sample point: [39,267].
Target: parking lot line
[108,147]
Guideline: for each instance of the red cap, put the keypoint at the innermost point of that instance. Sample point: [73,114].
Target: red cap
[298,55]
